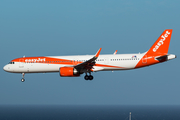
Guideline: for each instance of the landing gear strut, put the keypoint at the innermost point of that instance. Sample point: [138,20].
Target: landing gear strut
[88,77]
[22,80]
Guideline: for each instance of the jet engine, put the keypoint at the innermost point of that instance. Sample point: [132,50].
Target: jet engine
[68,72]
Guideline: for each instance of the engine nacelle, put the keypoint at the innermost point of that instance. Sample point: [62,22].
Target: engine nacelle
[68,72]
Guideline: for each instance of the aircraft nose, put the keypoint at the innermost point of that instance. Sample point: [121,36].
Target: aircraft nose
[5,68]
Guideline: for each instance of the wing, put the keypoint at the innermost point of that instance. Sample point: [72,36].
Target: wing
[87,65]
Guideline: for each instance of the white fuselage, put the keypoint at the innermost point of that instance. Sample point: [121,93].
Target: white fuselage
[103,63]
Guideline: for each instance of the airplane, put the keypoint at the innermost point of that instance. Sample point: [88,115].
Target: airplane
[74,66]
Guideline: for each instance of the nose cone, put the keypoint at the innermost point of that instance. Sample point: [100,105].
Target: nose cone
[5,68]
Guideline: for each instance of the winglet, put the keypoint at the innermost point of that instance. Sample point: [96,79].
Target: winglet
[97,54]
[115,52]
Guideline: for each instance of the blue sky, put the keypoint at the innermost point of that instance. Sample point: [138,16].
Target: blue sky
[58,27]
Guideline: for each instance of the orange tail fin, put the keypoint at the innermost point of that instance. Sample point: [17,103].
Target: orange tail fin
[161,46]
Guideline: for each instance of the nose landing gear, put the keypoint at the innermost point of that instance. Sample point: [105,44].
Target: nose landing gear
[22,80]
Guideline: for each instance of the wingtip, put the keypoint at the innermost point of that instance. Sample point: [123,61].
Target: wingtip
[115,52]
[97,54]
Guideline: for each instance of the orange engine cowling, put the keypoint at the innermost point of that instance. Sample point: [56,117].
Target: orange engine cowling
[68,72]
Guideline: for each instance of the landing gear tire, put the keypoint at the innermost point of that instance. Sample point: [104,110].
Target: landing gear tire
[86,77]
[90,77]
[22,80]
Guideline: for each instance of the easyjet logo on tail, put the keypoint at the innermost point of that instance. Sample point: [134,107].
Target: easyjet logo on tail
[161,41]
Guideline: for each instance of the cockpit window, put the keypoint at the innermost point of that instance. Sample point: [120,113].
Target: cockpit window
[11,62]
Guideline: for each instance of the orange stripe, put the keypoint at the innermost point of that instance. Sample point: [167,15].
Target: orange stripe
[46,60]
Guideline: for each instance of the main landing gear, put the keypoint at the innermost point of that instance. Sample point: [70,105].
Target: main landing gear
[22,80]
[88,77]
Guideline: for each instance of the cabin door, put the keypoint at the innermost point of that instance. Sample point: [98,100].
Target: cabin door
[144,60]
[21,63]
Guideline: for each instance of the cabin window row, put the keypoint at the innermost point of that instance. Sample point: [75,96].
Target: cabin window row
[124,59]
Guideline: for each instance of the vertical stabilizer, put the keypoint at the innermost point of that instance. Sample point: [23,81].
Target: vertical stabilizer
[158,52]
[161,46]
